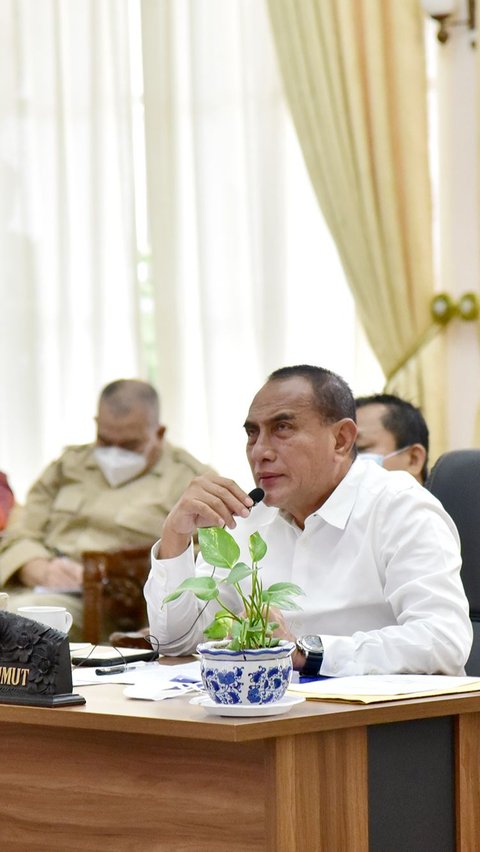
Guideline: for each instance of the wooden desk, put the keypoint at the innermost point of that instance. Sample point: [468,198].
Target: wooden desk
[119,774]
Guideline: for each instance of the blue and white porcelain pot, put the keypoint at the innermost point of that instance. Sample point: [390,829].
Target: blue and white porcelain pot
[259,676]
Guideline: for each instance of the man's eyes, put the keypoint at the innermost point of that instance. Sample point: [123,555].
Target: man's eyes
[282,427]
[133,447]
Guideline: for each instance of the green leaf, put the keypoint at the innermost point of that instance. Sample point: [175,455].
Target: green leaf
[236,629]
[289,588]
[210,595]
[238,572]
[172,597]
[252,628]
[257,547]
[279,599]
[221,614]
[204,588]
[218,547]
[218,629]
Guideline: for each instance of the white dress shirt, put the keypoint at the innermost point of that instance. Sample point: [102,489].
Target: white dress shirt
[379,563]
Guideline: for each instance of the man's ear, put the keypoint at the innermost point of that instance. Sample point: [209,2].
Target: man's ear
[345,436]
[161,432]
[417,455]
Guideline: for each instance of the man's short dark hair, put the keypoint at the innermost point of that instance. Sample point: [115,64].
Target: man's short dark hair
[402,419]
[124,394]
[331,394]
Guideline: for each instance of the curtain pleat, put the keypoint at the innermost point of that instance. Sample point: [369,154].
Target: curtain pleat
[69,317]
[354,75]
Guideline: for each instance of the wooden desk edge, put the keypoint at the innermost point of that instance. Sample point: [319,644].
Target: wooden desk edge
[176,718]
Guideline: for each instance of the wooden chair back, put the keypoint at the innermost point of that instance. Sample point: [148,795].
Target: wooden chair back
[113,598]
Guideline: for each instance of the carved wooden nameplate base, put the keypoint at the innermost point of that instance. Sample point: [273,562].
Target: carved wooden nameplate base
[35,664]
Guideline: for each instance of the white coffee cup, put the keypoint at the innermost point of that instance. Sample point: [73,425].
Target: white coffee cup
[3,600]
[54,616]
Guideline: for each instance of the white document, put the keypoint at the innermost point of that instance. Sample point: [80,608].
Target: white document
[86,675]
[150,681]
[167,682]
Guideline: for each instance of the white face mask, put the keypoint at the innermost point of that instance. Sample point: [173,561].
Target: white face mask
[119,466]
[378,458]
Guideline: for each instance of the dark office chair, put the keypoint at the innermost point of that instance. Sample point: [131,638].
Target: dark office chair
[113,598]
[455,481]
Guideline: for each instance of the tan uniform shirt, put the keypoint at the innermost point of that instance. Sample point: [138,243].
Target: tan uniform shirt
[72,508]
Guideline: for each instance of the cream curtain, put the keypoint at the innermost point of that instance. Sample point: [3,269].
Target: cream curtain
[68,319]
[245,273]
[354,75]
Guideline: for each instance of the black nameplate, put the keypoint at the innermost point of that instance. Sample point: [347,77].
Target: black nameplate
[35,664]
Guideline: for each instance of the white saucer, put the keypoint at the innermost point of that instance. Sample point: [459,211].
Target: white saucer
[274,709]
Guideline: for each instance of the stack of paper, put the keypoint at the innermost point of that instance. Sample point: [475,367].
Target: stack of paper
[369,689]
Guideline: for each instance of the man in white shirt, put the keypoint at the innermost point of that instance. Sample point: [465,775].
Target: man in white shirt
[375,553]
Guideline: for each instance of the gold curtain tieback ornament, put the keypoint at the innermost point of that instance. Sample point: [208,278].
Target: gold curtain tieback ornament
[468,307]
[443,308]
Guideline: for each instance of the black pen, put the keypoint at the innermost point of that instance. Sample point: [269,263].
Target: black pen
[118,669]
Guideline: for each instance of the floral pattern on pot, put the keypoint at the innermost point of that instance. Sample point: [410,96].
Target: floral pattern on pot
[223,685]
[268,685]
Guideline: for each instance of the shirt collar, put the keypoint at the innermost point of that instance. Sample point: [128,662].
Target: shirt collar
[338,508]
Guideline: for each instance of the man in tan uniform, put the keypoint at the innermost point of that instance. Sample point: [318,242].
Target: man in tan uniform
[112,493]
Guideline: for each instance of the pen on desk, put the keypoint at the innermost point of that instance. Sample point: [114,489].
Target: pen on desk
[123,667]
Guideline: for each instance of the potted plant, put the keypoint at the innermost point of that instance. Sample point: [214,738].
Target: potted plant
[242,662]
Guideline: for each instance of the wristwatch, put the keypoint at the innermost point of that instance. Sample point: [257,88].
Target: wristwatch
[311,647]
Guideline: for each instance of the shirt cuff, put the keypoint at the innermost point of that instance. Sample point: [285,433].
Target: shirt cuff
[169,573]
[338,656]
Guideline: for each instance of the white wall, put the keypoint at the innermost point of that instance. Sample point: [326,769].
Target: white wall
[457,235]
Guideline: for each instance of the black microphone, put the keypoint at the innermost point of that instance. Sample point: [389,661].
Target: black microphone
[257,495]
